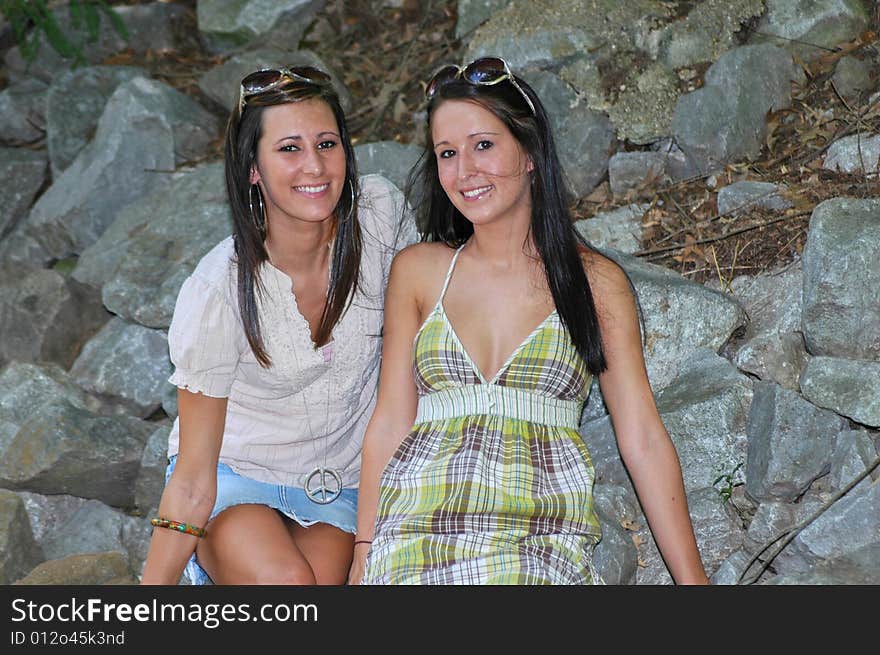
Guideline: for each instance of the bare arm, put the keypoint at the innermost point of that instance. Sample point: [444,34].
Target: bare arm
[644,443]
[191,490]
[395,409]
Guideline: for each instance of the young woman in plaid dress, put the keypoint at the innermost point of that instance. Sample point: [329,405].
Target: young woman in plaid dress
[473,471]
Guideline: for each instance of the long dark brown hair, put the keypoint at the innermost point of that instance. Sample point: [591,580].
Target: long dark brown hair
[558,243]
[243,132]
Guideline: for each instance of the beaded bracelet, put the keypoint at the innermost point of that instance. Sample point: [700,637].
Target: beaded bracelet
[160,522]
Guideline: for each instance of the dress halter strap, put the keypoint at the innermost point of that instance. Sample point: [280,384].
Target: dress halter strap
[449,272]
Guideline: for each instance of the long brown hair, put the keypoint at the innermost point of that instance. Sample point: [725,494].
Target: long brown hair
[243,132]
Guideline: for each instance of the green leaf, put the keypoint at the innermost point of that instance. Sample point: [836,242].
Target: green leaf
[93,22]
[57,38]
[117,21]
[76,14]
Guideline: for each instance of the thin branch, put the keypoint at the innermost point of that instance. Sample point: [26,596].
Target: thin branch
[795,530]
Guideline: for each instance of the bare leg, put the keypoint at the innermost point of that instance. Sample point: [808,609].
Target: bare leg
[327,549]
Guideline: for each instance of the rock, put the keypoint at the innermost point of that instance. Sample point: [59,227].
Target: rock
[151,478]
[19,552]
[841,317]
[86,569]
[859,567]
[772,348]
[740,197]
[790,443]
[643,111]
[51,444]
[147,253]
[595,406]
[387,158]
[46,317]
[221,82]
[146,126]
[93,528]
[853,454]
[169,401]
[154,27]
[859,154]
[472,13]
[23,112]
[677,163]
[809,27]
[24,173]
[583,137]
[850,524]
[74,105]
[709,29]
[730,570]
[227,24]
[716,527]
[20,253]
[615,556]
[771,519]
[666,296]
[47,513]
[620,229]
[636,170]
[852,76]
[849,387]
[127,365]
[725,120]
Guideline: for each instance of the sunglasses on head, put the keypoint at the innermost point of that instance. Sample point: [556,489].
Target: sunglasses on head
[485,71]
[267,79]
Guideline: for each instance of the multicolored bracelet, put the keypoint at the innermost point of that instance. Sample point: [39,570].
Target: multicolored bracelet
[160,522]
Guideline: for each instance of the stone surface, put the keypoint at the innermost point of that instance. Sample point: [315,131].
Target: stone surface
[849,387]
[858,153]
[152,247]
[92,528]
[230,23]
[853,455]
[730,570]
[151,477]
[19,553]
[620,229]
[615,556]
[48,512]
[387,158]
[740,197]
[636,170]
[146,126]
[127,365]
[23,173]
[790,443]
[87,569]
[472,13]
[74,105]
[45,317]
[860,567]
[20,253]
[841,315]
[23,112]
[643,110]
[852,76]
[808,27]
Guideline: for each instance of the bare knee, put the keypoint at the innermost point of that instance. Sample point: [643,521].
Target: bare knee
[296,574]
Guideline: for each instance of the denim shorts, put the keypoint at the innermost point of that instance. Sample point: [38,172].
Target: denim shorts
[234,489]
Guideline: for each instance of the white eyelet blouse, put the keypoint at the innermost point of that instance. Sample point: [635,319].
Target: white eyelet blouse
[311,407]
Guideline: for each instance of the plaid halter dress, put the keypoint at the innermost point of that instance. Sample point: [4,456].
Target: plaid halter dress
[493,483]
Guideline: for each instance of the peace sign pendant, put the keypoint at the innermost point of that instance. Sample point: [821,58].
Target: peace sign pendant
[323,486]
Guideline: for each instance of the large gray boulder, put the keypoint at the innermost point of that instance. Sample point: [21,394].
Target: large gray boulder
[584,137]
[221,83]
[666,296]
[151,477]
[740,197]
[853,454]
[126,365]
[156,27]
[852,76]
[45,317]
[111,568]
[227,24]
[23,112]
[809,28]
[74,104]
[23,173]
[144,257]
[51,444]
[389,159]
[790,443]
[860,567]
[19,553]
[847,386]
[20,252]
[471,13]
[629,171]
[841,315]
[616,556]
[725,120]
[146,129]
[46,513]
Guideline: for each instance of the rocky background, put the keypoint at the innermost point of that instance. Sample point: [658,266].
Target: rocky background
[725,153]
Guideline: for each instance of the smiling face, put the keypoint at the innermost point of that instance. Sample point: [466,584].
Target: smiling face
[300,163]
[482,167]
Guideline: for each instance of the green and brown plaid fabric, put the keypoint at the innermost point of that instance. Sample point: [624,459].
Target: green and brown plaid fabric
[493,484]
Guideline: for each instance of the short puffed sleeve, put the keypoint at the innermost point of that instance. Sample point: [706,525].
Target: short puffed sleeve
[204,339]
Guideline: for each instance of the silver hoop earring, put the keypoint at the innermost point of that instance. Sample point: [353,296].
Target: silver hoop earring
[259,219]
